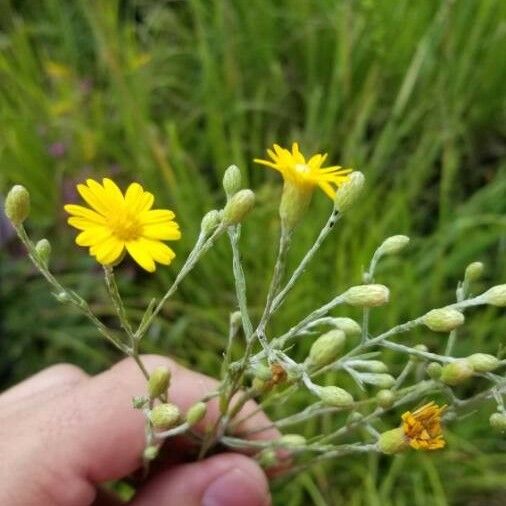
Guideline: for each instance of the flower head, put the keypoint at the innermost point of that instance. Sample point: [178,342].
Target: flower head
[118,222]
[422,428]
[305,173]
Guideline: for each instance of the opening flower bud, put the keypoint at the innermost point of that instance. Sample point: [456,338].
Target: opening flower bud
[232,180]
[474,271]
[496,296]
[392,441]
[164,416]
[347,325]
[17,205]
[210,221]
[347,194]
[43,250]
[294,440]
[335,396]
[238,207]
[158,382]
[385,398]
[456,372]
[498,421]
[367,295]
[295,201]
[434,370]
[326,348]
[195,414]
[443,319]
[394,244]
[483,362]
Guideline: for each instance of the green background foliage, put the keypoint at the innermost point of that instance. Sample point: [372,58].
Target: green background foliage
[169,93]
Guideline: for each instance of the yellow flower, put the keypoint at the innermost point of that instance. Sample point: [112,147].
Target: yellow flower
[422,428]
[118,222]
[306,174]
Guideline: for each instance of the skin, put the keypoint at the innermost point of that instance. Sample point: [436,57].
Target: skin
[63,433]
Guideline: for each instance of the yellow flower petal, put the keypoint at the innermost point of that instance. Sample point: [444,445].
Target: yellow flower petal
[92,236]
[84,212]
[156,216]
[141,255]
[159,251]
[162,231]
[94,200]
[109,251]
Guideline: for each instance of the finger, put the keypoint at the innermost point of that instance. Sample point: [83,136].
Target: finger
[92,433]
[49,382]
[222,480]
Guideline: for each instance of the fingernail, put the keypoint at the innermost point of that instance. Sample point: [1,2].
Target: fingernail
[235,488]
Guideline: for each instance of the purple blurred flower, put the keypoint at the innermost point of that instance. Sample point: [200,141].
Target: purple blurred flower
[57,149]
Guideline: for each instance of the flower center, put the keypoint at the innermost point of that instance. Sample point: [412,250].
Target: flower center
[301,168]
[125,227]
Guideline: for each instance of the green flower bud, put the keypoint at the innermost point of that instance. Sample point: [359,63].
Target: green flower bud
[347,325]
[498,421]
[385,398]
[159,381]
[17,205]
[496,296]
[210,221]
[335,396]
[456,372]
[164,416]
[43,250]
[195,414]
[232,180]
[238,207]
[139,402]
[259,385]
[347,194]
[369,365]
[434,370]
[392,441]
[367,295]
[474,271]
[354,418]
[150,453]
[62,297]
[293,440]
[380,380]
[261,371]
[418,358]
[482,362]
[326,348]
[394,244]
[443,319]
[267,458]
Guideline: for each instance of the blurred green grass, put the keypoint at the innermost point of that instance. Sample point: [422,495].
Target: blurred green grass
[171,93]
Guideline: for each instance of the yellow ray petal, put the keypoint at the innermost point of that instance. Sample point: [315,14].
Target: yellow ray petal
[141,255]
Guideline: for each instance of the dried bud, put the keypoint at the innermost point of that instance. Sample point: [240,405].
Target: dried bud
[279,375]
[434,370]
[158,382]
[150,453]
[347,325]
[164,416]
[195,414]
[326,348]
[393,244]
[392,441]
[232,180]
[385,398]
[210,221]
[496,296]
[335,396]
[43,250]
[17,205]
[348,193]
[238,207]
[456,372]
[293,440]
[498,421]
[367,295]
[474,271]
[483,362]
[443,319]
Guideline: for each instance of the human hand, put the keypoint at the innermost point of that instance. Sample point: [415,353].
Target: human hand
[63,433]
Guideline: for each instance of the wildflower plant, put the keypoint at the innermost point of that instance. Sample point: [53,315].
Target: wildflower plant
[425,393]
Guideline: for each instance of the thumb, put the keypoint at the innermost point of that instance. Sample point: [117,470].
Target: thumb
[228,479]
